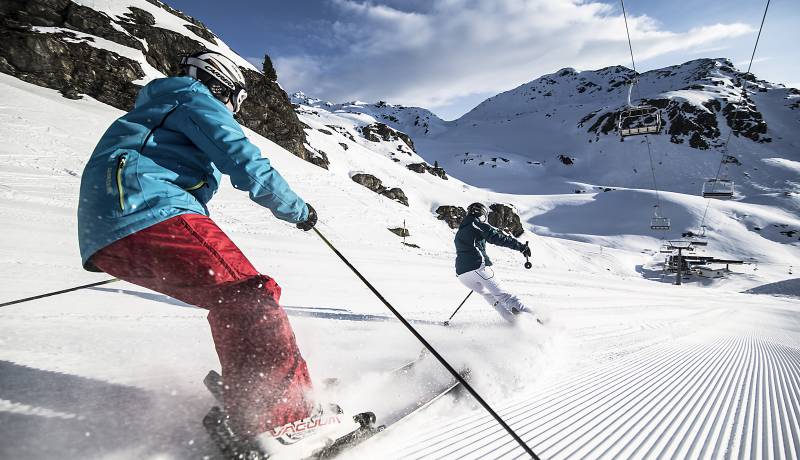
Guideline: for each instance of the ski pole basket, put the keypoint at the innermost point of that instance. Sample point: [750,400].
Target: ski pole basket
[718,188]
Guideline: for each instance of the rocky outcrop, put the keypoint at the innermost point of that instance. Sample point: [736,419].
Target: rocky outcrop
[400,231]
[72,61]
[452,215]
[396,194]
[55,61]
[566,160]
[504,218]
[500,216]
[271,114]
[373,183]
[745,120]
[426,168]
[377,132]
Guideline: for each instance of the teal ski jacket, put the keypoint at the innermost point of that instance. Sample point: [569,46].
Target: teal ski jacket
[165,158]
[471,239]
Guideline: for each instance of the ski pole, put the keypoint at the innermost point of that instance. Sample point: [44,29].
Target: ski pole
[447,323]
[430,348]
[63,291]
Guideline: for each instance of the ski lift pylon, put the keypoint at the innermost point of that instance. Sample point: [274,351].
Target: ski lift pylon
[718,188]
[638,119]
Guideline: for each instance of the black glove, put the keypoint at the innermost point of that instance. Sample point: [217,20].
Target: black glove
[310,221]
[526,250]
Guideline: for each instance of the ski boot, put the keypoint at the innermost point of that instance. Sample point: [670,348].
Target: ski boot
[321,435]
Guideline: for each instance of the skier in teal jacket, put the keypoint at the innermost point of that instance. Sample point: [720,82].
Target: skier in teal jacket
[143,218]
[164,159]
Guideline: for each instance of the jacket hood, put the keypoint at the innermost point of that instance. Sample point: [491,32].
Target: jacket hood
[171,85]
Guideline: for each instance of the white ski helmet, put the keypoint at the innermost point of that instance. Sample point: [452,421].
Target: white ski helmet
[220,74]
[478,210]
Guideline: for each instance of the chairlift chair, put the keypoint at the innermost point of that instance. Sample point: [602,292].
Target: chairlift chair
[718,188]
[638,119]
[659,223]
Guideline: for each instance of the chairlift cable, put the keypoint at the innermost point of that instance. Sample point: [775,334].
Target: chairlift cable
[724,152]
[630,46]
[652,170]
[646,138]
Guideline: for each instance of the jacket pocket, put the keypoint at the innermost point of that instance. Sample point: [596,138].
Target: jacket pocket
[122,185]
[121,160]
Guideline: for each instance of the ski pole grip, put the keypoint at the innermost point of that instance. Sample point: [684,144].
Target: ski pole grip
[528,263]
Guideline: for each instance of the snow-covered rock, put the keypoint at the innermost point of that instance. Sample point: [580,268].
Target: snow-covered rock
[107,49]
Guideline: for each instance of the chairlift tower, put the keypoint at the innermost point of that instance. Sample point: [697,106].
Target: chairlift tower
[680,246]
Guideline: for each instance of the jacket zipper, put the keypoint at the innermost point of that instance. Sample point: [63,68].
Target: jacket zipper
[120,167]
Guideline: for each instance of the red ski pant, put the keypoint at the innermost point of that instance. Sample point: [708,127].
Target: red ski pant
[189,258]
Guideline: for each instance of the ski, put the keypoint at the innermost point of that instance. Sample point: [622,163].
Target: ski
[420,405]
[233,447]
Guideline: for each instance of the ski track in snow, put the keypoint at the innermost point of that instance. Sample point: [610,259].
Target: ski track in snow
[733,395]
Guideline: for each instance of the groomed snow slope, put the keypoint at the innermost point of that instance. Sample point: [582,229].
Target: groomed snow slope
[114,372]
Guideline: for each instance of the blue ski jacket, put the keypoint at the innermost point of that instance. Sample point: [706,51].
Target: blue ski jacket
[471,239]
[165,158]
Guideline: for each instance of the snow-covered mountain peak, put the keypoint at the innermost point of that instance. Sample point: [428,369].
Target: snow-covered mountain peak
[414,121]
[607,86]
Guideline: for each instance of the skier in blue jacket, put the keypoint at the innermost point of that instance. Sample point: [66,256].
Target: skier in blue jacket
[473,265]
[143,218]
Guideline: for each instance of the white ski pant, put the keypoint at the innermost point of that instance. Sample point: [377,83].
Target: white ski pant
[483,282]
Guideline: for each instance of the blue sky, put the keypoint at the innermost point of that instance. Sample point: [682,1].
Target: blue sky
[449,55]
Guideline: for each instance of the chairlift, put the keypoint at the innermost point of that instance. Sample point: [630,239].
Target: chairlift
[665,249]
[659,223]
[638,119]
[679,244]
[718,188]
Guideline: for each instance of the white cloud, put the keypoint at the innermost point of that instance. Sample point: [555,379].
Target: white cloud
[454,48]
[745,62]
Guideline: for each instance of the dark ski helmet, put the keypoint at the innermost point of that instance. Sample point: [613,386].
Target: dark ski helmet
[477,210]
[220,74]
